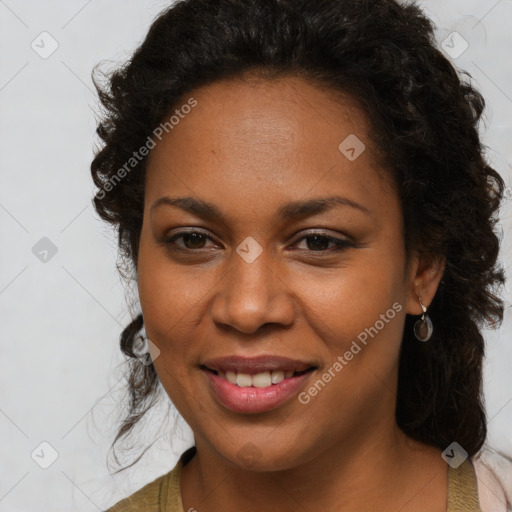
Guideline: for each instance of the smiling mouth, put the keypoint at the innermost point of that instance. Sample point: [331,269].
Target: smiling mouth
[257,380]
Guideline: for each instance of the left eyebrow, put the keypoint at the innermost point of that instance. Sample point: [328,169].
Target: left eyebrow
[310,207]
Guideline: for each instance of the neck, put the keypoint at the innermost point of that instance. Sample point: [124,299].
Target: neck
[381,471]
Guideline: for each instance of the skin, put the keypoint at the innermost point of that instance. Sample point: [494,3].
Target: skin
[249,147]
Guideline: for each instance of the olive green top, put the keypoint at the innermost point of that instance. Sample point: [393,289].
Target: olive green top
[163,494]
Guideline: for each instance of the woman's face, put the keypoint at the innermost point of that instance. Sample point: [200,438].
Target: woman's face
[297,268]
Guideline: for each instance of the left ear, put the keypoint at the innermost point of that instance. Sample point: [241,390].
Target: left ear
[425,274]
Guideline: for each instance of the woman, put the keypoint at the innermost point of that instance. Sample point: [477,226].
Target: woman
[301,191]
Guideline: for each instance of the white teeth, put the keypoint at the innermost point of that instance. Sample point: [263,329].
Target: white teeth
[231,377]
[277,377]
[259,380]
[243,380]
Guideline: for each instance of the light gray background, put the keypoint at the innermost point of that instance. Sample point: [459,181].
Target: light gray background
[60,366]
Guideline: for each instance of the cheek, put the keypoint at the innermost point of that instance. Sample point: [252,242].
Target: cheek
[168,299]
[359,314]
[170,296]
[353,298]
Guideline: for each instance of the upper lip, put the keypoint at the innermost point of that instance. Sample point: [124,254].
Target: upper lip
[253,365]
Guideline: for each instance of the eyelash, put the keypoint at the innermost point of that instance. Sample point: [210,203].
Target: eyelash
[339,243]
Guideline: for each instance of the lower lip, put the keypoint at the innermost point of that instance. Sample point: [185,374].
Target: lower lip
[252,399]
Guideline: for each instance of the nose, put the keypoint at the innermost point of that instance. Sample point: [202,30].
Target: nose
[251,295]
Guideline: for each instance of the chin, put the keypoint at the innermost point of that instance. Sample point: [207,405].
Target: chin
[262,456]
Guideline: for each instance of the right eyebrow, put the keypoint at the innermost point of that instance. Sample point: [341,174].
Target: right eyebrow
[192,205]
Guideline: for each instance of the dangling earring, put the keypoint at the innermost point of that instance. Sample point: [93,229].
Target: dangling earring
[423,327]
[141,347]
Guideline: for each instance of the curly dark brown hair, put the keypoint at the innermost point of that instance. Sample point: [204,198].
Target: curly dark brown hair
[424,117]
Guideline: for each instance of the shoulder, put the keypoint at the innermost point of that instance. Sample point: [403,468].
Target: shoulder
[146,498]
[493,472]
[160,495]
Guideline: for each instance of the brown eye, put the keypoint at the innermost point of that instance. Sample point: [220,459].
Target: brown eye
[191,240]
[317,243]
[320,243]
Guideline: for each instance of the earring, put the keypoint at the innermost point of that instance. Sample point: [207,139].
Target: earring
[141,347]
[423,327]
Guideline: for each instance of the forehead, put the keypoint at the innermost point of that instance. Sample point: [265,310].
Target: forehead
[264,141]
